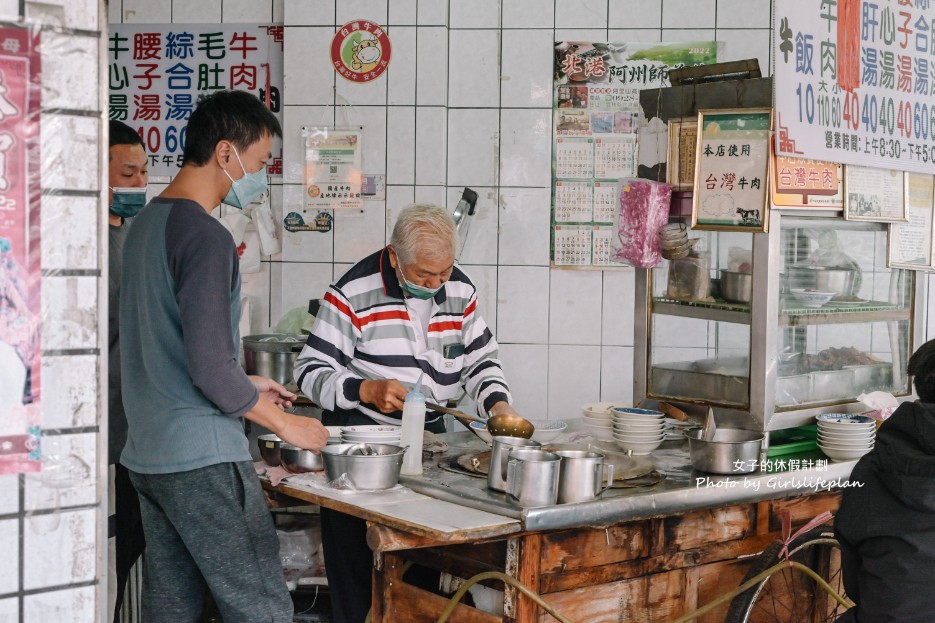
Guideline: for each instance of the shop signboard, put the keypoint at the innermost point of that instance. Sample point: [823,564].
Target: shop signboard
[156,72]
[854,82]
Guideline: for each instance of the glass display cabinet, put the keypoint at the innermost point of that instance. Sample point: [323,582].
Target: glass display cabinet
[773,328]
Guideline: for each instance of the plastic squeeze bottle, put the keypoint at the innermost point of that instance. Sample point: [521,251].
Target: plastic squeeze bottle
[411,433]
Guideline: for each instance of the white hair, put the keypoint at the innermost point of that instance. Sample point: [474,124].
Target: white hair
[427,229]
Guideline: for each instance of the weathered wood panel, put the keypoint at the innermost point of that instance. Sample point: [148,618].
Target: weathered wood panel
[713,525]
[567,550]
[649,599]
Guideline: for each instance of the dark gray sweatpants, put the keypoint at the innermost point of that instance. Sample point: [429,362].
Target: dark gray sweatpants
[210,528]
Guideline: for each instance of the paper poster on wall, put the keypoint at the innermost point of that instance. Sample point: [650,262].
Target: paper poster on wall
[20,252]
[853,82]
[333,173]
[595,120]
[910,244]
[156,72]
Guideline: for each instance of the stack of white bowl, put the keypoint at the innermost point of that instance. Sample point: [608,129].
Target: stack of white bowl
[638,430]
[373,433]
[598,418]
[334,435]
[845,437]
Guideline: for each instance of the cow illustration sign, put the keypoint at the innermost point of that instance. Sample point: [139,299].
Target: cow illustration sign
[360,51]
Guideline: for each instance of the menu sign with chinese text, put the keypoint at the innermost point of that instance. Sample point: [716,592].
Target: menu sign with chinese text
[854,82]
[731,169]
[157,71]
[596,115]
[20,252]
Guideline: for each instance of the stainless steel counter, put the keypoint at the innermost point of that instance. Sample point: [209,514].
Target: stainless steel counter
[683,489]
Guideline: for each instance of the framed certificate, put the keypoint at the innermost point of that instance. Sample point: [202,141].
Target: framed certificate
[732,170]
[874,195]
[680,167]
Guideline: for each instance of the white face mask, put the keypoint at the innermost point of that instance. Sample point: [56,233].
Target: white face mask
[247,189]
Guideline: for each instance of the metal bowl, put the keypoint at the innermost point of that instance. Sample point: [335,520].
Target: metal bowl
[298,460]
[732,451]
[367,466]
[269,448]
[736,287]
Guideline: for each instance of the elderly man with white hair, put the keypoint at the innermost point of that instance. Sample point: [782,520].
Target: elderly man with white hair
[399,313]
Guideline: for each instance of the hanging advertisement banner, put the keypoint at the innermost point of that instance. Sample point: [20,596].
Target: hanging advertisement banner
[20,257]
[157,71]
[854,82]
[596,115]
[333,173]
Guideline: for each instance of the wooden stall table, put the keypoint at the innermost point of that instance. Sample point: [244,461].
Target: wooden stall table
[646,554]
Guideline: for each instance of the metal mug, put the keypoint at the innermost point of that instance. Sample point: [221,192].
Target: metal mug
[532,476]
[581,476]
[499,454]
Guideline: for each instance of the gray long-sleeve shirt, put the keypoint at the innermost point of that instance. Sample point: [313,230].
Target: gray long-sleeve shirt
[183,388]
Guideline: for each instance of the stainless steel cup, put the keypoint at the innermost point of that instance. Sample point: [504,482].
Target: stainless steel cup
[581,476]
[532,476]
[499,454]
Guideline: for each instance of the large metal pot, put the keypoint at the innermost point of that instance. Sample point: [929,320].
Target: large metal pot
[272,355]
[732,451]
[367,466]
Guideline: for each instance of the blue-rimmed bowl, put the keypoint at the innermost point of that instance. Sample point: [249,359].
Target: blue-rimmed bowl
[811,298]
[637,411]
[845,423]
[844,418]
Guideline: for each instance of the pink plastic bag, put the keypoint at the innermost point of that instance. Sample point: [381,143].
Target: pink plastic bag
[644,210]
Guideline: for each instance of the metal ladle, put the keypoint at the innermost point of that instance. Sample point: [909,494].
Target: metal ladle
[505,424]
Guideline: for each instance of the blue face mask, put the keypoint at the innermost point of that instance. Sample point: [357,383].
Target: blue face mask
[128,202]
[418,292]
[247,189]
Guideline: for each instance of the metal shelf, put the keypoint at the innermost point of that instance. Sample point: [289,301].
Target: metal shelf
[791,315]
[722,311]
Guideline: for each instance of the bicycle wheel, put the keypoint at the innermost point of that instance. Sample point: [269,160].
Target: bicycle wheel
[789,595]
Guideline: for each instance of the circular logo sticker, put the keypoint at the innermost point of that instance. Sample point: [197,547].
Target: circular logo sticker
[360,51]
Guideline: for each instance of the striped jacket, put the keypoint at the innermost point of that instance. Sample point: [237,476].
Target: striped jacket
[364,331]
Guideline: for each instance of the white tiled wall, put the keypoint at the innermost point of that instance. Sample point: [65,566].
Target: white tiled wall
[466,102]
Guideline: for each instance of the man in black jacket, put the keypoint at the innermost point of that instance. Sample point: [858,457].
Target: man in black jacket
[887,526]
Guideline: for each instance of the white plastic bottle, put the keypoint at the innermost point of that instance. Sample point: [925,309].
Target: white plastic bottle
[411,433]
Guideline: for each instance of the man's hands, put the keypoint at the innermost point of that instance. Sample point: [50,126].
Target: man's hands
[305,432]
[386,395]
[502,408]
[273,391]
